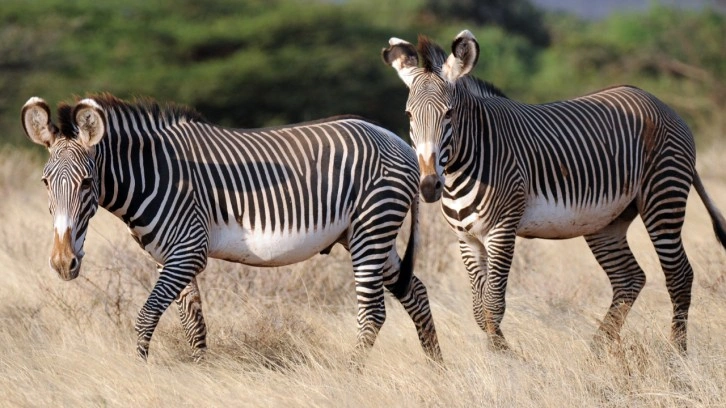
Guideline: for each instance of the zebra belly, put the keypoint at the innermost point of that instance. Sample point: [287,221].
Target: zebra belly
[548,219]
[232,242]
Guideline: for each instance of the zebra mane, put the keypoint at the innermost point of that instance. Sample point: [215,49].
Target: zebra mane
[65,121]
[432,55]
[167,114]
[481,88]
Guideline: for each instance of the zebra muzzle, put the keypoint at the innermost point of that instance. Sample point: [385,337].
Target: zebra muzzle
[431,188]
[431,184]
[62,258]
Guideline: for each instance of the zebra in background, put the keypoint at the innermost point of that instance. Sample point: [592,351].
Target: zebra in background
[580,167]
[189,190]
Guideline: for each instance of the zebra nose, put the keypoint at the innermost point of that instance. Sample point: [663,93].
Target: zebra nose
[431,188]
[74,267]
[62,258]
[66,268]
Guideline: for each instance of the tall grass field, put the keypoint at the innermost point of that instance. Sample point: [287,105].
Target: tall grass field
[283,336]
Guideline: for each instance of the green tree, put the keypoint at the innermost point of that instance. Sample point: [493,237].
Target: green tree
[517,16]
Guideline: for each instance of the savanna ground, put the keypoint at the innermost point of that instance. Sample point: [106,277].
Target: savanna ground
[282,336]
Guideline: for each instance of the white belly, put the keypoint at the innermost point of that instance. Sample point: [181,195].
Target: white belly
[238,244]
[547,219]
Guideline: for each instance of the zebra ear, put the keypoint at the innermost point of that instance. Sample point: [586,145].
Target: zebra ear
[402,56]
[36,122]
[90,121]
[463,58]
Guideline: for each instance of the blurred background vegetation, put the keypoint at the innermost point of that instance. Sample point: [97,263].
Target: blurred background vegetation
[269,62]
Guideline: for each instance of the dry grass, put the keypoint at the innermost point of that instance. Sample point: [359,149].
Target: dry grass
[281,337]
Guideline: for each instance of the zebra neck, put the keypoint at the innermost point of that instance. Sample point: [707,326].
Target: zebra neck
[131,168]
[469,144]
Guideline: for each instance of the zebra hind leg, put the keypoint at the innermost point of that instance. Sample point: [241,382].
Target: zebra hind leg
[189,303]
[663,217]
[369,295]
[416,303]
[371,311]
[611,249]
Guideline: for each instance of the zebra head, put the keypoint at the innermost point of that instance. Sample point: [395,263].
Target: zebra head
[69,175]
[431,106]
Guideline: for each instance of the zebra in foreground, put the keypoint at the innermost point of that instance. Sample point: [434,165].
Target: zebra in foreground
[189,190]
[580,167]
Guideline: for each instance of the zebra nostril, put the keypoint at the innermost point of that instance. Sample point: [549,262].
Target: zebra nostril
[437,186]
[74,264]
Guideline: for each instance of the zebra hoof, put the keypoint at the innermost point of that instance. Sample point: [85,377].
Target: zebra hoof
[199,355]
[498,343]
[142,351]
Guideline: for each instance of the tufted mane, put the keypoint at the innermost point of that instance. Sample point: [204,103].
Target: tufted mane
[432,55]
[166,114]
[433,58]
[65,122]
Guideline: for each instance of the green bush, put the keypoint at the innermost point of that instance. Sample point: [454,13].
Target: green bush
[256,63]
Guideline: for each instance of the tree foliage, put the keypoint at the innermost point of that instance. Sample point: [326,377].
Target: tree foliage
[516,16]
[254,63]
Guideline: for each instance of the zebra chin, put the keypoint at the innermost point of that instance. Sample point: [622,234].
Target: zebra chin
[431,188]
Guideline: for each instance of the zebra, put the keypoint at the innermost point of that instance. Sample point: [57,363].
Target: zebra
[579,167]
[189,190]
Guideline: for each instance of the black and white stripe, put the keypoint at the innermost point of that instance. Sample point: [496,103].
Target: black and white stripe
[189,190]
[581,167]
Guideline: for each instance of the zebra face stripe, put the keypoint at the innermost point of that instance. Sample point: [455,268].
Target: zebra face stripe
[69,176]
[430,114]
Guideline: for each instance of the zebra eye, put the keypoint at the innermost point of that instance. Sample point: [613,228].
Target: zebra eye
[45,181]
[408,115]
[447,115]
[86,183]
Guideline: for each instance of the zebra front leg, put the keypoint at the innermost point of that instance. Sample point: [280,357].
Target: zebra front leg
[174,276]
[189,302]
[474,256]
[499,246]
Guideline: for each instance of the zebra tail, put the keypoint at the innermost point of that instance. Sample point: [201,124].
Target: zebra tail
[405,272]
[719,223]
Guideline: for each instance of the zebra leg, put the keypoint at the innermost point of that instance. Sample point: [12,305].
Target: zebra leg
[499,245]
[371,308]
[611,249]
[663,212]
[189,303]
[368,263]
[174,276]
[474,255]
[416,304]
